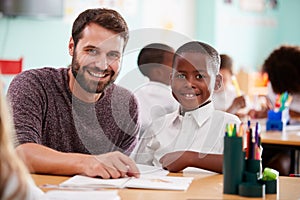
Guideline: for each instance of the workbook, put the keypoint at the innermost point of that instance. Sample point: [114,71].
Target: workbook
[153,179]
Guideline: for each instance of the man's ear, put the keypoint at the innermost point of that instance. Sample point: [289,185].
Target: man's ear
[71,46]
[219,81]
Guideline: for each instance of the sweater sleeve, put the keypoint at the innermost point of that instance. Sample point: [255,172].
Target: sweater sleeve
[27,98]
[133,127]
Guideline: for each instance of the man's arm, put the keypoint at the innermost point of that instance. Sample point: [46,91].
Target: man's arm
[41,159]
[179,160]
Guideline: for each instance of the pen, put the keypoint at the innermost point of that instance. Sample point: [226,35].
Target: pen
[283,98]
[295,175]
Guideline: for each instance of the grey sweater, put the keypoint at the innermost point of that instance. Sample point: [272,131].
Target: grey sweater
[46,112]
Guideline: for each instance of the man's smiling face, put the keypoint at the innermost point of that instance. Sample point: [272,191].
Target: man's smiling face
[97,58]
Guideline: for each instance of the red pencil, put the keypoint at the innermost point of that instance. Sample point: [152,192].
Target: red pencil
[295,175]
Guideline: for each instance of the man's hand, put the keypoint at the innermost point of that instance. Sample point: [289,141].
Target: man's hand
[110,165]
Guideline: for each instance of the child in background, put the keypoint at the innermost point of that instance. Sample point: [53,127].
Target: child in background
[15,181]
[193,135]
[155,97]
[282,67]
[229,98]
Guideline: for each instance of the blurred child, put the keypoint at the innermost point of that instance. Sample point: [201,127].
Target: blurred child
[282,67]
[155,97]
[15,181]
[193,135]
[229,97]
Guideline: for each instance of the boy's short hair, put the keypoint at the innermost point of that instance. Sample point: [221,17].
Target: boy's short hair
[200,47]
[152,55]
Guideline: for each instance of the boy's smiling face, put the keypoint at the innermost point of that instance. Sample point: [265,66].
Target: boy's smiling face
[192,79]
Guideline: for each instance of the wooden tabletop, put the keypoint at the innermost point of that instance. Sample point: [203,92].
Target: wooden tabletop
[204,186]
[281,138]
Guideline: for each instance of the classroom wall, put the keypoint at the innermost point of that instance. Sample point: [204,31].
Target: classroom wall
[248,36]
[44,41]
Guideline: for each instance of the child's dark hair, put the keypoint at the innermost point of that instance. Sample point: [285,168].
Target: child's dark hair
[200,47]
[226,63]
[152,55]
[283,69]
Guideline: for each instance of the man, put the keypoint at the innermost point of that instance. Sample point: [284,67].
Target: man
[75,120]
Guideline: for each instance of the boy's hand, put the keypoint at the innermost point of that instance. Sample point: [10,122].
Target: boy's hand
[237,104]
[177,161]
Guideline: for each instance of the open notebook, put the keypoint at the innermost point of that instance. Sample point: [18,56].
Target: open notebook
[151,178]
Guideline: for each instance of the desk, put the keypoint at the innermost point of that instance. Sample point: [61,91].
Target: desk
[204,186]
[288,139]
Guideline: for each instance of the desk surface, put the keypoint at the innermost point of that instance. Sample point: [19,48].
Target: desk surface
[281,138]
[204,186]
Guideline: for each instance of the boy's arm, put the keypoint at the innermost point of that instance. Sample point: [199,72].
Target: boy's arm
[179,160]
[294,114]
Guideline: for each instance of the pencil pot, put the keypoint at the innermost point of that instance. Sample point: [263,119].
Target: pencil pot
[233,164]
[252,170]
[271,186]
[277,119]
[252,166]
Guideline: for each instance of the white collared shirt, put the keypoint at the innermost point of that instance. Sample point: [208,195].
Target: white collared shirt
[201,130]
[223,99]
[155,99]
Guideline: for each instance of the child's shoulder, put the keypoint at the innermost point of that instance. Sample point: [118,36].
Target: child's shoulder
[225,116]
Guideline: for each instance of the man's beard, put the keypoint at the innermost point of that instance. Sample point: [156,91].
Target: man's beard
[89,85]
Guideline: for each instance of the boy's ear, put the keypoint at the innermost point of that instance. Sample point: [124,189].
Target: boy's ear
[171,78]
[218,83]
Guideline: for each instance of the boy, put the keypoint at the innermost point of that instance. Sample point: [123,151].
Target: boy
[155,97]
[193,135]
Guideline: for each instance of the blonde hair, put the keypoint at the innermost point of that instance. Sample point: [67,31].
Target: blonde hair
[11,164]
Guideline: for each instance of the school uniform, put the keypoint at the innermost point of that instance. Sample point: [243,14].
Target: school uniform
[155,99]
[201,130]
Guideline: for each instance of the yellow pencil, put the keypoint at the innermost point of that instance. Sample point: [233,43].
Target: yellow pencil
[236,85]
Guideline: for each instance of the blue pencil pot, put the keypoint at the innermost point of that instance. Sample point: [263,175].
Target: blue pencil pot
[277,119]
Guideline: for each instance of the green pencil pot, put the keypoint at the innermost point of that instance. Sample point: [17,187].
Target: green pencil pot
[233,164]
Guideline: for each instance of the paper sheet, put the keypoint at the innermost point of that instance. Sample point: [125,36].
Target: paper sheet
[79,195]
[150,178]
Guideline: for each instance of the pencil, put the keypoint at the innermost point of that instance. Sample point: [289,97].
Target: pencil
[236,85]
[295,175]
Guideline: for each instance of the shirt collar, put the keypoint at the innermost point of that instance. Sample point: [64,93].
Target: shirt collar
[200,115]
